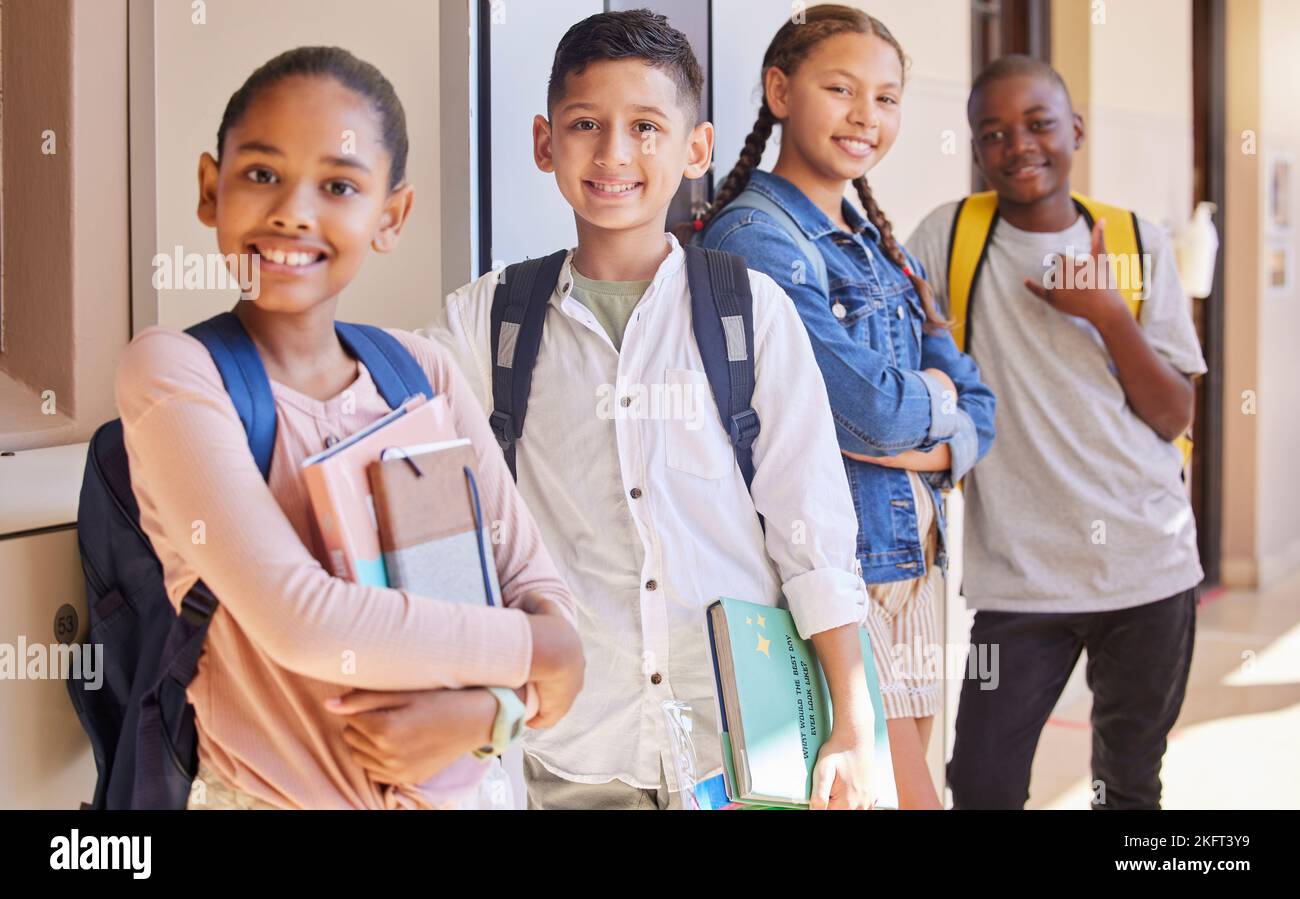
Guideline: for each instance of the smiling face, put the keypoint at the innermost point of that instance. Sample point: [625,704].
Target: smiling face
[841,108]
[1024,135]
[303,185]
[619,142]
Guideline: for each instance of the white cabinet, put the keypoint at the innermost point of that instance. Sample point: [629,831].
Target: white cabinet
[45,757]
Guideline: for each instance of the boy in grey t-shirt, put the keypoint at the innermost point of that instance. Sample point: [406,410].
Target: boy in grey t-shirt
[1079,531]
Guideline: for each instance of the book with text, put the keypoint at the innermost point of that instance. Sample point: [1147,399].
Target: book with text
[775,707]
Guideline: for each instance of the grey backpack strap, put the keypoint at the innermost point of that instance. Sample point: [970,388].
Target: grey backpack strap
[518,313]
[752,199]
[722,316]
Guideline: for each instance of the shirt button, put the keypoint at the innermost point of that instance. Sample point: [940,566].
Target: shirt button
[901,314]
[838,310]
[652,585]
[656,678]
[330,441]
[636,493]
[625,402]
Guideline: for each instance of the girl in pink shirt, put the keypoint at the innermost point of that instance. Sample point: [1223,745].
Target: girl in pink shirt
[295,696]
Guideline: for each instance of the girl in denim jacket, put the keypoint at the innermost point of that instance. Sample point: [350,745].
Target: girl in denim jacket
[910,411]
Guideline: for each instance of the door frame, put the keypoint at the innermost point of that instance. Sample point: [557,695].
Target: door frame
[1209,114]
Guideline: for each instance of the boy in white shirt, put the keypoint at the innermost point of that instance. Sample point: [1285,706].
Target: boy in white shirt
[641,502]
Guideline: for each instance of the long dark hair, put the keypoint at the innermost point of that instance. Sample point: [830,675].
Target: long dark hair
[339,64]
[792,45]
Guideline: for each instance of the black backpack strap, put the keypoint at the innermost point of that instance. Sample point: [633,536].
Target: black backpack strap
[391,366]
[159,783]
[722,314]
[518,314]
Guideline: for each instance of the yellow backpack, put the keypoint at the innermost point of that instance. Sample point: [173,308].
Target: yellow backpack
[972,229]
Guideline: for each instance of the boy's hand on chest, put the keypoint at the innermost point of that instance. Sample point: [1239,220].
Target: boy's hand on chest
[1083,286]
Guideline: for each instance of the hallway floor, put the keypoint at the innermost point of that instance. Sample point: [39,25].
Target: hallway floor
[1237,740]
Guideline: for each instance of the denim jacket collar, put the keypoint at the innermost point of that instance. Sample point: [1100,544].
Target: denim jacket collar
[812,221]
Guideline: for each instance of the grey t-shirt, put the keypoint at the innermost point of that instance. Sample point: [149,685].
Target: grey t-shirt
[1080,505]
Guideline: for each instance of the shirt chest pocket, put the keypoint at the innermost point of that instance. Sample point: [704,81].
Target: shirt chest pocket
[853,300]
[693,439]
[861,311]
[886,317]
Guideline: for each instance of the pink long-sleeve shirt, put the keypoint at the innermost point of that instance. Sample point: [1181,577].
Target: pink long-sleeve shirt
[288,634]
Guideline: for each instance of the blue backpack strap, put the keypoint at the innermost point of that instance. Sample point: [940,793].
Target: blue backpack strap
[245,379]
[722,314]
[392,367]
[159,782]
[518,314]
[752,199]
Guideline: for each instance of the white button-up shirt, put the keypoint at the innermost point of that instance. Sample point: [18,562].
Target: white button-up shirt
[633,481]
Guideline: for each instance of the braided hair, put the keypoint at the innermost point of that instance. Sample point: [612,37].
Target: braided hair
[792,45]
[934,322]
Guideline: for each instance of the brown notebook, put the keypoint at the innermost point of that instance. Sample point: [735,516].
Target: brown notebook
[431,533]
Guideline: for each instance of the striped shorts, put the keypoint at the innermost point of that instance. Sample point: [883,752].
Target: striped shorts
[904,627]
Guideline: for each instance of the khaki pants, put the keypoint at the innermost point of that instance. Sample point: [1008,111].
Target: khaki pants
[549,791]
[211,793]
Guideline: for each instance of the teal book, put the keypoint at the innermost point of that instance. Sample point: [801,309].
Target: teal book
[776,707]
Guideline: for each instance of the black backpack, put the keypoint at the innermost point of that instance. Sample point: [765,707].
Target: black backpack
[722,317]
[140,724]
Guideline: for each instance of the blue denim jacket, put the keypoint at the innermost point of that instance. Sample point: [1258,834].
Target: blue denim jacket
[868,338]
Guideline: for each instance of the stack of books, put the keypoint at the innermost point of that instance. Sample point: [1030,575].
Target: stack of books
[397,505]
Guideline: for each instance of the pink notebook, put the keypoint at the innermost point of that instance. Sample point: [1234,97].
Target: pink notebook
[340,490]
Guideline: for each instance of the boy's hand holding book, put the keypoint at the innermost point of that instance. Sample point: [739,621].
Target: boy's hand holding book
[801,721]
[842,778]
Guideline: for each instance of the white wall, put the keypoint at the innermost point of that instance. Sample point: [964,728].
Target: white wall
[742,30]
[1279,310]
[1140,120]
[529,215]
[198,67]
